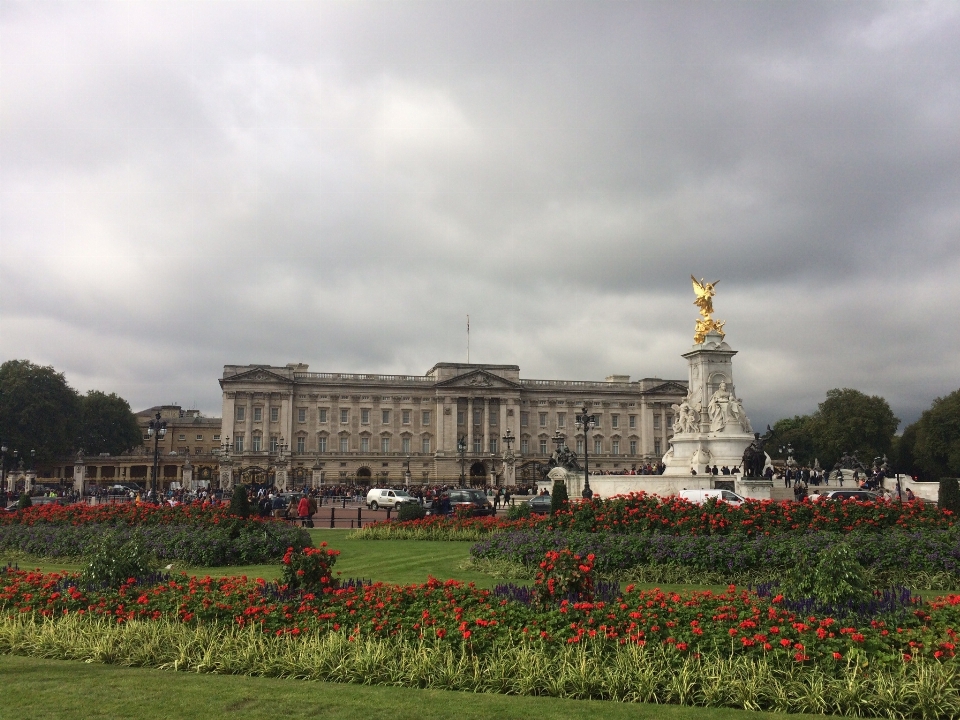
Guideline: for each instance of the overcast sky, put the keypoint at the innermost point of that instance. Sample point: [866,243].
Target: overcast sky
[189,185]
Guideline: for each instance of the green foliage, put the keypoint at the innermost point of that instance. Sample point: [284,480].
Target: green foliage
[380,668]
[937,446]
[837,577]
[850,421]
[239,502]
[38,410]
[107,424]
[902,458]
[411,511]
[949,497]
[558,498]
[310,569]
[24,502]
[794,431]
[518,511]
[114,561]
[563,573]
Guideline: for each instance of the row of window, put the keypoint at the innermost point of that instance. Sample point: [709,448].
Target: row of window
[386,445]
[182,437]
[542,418]
[323,414]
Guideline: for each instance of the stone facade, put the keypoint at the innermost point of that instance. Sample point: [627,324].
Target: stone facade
[294,427]
[188,452]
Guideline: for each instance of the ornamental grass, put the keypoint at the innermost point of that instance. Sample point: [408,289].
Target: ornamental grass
[923,689]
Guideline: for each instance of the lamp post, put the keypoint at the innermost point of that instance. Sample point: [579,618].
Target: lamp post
[3,467]
[462,449]
[406,478]
[508,458]
[586,423]
[156,429]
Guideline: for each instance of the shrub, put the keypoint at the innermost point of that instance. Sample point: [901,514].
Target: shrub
[558,499]
[949,496]
[310,569]
[239,502]
[838,577]
[24,502]
[518,512]
[115,561]
[411,511]
[563,574]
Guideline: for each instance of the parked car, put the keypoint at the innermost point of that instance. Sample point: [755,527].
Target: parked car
[475,500]
[699,497]
[40,500]
[855,494]
[540,505]
[385,498]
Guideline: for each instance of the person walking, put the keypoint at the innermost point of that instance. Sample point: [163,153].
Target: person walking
[303,510]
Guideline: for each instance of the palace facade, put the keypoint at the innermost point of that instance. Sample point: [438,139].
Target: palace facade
[295,427]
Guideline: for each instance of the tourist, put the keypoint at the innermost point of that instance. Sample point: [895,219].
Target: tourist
[910,496]
[303,510]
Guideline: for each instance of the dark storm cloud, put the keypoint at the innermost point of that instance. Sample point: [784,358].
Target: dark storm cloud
[188,185]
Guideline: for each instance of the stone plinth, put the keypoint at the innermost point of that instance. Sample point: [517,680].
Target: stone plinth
[711,427]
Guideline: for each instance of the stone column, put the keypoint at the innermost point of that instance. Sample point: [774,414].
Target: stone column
[226,472]
[485,435]
[470,425]
[79,479]
[187,475]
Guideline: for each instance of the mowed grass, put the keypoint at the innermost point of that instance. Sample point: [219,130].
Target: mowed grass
[62,690]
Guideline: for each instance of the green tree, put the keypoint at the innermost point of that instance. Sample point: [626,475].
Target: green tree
[795,432]
[902,452]
[937,446]
[239,502]
[850,421]
[559,498]
[38,410]
[948,498]
[107,424]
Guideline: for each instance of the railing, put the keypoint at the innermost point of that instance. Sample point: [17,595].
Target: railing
[351,377]
[592,384]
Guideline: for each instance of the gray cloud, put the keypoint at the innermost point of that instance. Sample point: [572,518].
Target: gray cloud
[188,185]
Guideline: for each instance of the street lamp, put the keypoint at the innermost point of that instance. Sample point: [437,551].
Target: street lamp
[3,467]
[407,476]
[462,449]
[586,423]
[156,429]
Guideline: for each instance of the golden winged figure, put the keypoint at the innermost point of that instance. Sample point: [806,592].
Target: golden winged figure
[704,292]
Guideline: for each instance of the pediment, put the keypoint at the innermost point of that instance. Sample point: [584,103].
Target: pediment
[479,379]
[259,375]
[668,387]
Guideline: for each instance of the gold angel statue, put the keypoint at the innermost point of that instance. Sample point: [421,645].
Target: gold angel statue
[705,292]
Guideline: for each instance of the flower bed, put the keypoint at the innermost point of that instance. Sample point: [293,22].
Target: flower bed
[189,534]
[646,514]
[913,558]
[123,514]
[735,622]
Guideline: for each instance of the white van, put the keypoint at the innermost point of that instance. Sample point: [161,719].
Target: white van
[699,497]
[379,498]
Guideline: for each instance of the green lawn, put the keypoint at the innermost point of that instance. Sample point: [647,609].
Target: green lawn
[62,690]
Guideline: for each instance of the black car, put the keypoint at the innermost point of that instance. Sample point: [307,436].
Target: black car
[475,500]
[540,505]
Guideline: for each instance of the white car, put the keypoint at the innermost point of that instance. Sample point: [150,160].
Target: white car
[379,498]
[699,497]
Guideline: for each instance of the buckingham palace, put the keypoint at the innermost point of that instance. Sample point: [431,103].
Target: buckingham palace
[294,427]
